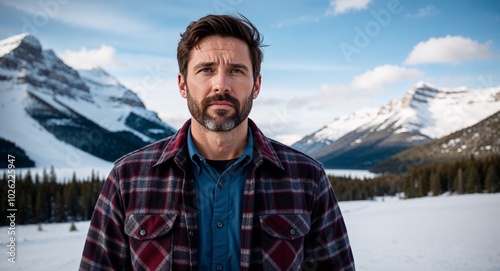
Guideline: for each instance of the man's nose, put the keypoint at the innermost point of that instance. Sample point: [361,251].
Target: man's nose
[220,82]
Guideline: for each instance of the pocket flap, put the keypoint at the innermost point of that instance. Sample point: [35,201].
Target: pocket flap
[145,226]
[286,226]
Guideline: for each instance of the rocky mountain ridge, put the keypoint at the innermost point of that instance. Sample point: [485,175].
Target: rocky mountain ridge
[423,114]
[59,116]
[479,140]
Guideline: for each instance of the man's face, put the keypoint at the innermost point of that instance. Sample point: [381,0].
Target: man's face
[219,86]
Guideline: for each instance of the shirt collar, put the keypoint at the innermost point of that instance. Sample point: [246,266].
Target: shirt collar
[197,159]
[175,148]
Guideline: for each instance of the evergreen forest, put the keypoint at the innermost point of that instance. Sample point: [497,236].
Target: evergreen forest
[45,199]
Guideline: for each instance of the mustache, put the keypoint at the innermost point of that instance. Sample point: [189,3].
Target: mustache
[220,97]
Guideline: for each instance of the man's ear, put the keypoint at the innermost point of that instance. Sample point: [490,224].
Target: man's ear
[256,87]
[182,85]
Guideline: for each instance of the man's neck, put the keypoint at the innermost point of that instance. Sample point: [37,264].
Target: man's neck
[220,145]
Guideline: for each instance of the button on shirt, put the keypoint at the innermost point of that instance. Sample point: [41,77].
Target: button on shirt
[219,200]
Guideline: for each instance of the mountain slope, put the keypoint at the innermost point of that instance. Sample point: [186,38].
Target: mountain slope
[479,140]
[424,114]
[66,118]
[339,127]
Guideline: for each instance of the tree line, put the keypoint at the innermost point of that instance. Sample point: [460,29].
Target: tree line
[459,177]
[43,199]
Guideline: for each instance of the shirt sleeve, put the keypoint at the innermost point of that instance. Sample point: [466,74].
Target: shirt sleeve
[327,245]
[106,246]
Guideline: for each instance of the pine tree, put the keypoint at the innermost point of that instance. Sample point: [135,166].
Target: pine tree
[460,181]
[45,176]
[60,207]
[30,197]
[39,206]
[52,192]
[492,179]
[86,200]
[472,179]
[425,181]
[408,187]
[450,172]
[72,198]
[52,174]
[435,181]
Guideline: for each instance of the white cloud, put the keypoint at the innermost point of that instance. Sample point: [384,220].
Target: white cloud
[424,12]
[449,49]
[87,59]
[381,75]
[333,98]
[342,6]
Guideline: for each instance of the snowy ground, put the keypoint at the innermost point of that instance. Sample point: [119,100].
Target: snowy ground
[434,233]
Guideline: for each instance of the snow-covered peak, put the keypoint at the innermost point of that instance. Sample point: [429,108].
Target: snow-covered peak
[436,112]
[98,75]
[425,110]
[68,118]
[107,88]
[346,123]
[424,92]
[339,127]
[9,44]
[391,107]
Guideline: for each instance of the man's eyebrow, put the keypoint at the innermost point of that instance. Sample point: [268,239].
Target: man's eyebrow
[204,65]
[211,64]
[239,66]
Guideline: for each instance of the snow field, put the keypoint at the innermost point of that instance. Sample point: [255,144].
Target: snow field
[433,234]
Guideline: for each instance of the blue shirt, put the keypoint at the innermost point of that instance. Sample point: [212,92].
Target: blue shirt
[219,201]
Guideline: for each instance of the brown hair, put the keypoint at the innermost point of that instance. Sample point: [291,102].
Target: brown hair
[224,26]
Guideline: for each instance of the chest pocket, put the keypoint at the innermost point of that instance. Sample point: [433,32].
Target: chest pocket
[283,240]
[150,240]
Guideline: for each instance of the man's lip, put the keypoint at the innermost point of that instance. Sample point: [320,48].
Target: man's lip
[221,105]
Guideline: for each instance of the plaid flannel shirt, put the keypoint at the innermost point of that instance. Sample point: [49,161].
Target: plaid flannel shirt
[146,215]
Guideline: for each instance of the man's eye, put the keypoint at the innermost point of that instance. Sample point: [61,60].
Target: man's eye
[237,71]
[206,70]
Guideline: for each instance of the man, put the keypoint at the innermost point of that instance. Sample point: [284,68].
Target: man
[217,195]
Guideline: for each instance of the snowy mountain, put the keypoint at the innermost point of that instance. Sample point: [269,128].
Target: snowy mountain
[61,117]
[334,130]
[480,140]
[423,114]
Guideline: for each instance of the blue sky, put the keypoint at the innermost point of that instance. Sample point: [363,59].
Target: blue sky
[325,58]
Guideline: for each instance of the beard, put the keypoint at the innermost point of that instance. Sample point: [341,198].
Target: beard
[222,120]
